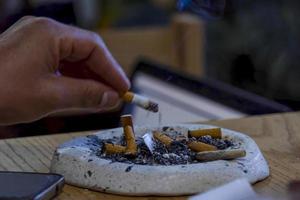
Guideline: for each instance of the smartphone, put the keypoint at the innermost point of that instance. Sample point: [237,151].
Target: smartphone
[29,186]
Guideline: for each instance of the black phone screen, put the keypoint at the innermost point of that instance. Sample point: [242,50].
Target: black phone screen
[26,185]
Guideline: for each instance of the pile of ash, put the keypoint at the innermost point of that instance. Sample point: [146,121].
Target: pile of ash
[177,153]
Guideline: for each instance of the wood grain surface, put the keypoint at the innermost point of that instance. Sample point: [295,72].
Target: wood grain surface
[277,135]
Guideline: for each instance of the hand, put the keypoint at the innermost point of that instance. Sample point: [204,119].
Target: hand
[47,67]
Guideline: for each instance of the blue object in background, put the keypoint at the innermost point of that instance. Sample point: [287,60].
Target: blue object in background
[183,4]
[207,9]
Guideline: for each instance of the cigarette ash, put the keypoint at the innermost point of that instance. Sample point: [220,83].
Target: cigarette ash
[177,153]
[152,107]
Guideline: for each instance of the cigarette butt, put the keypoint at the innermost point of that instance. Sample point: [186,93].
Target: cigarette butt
[113,148]
[200,146]
[126,120]
[166,140]
[213,132]
[221,155]
[131,146]
[128,97]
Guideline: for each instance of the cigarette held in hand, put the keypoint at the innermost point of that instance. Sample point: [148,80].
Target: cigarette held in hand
[141,101]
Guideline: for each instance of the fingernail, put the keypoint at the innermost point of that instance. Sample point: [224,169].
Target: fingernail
[109,99]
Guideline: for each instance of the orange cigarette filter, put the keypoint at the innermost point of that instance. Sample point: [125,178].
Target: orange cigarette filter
[213,132]
[114,148]
[126,120]
[128,97]
[131,146]
[166,140]
[200,146]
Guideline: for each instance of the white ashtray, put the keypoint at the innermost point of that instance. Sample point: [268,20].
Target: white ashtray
[77,162]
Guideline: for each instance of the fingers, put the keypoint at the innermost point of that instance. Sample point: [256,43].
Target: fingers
[67,43]
[76,45]
[65,93]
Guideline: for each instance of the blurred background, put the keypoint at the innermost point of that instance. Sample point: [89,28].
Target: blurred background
[248,45]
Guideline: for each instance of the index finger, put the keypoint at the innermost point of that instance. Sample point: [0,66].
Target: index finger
[77,45]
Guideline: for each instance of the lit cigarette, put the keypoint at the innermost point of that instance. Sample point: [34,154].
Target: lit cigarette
[200,146]
[166,140]
[114,148]
[141,101]
[213,132]
[131,146]
[220,155]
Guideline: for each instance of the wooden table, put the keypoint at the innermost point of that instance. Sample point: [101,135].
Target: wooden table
[277,135]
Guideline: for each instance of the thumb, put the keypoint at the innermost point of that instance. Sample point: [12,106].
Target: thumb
[81,93]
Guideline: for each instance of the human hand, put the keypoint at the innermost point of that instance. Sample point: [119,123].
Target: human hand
[48,67]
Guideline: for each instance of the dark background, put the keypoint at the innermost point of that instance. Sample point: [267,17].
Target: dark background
[253,45]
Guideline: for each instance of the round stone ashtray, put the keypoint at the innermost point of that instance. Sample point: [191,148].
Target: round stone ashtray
[167,171]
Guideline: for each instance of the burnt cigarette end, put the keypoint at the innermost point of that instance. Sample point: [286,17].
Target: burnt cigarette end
[153,107]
